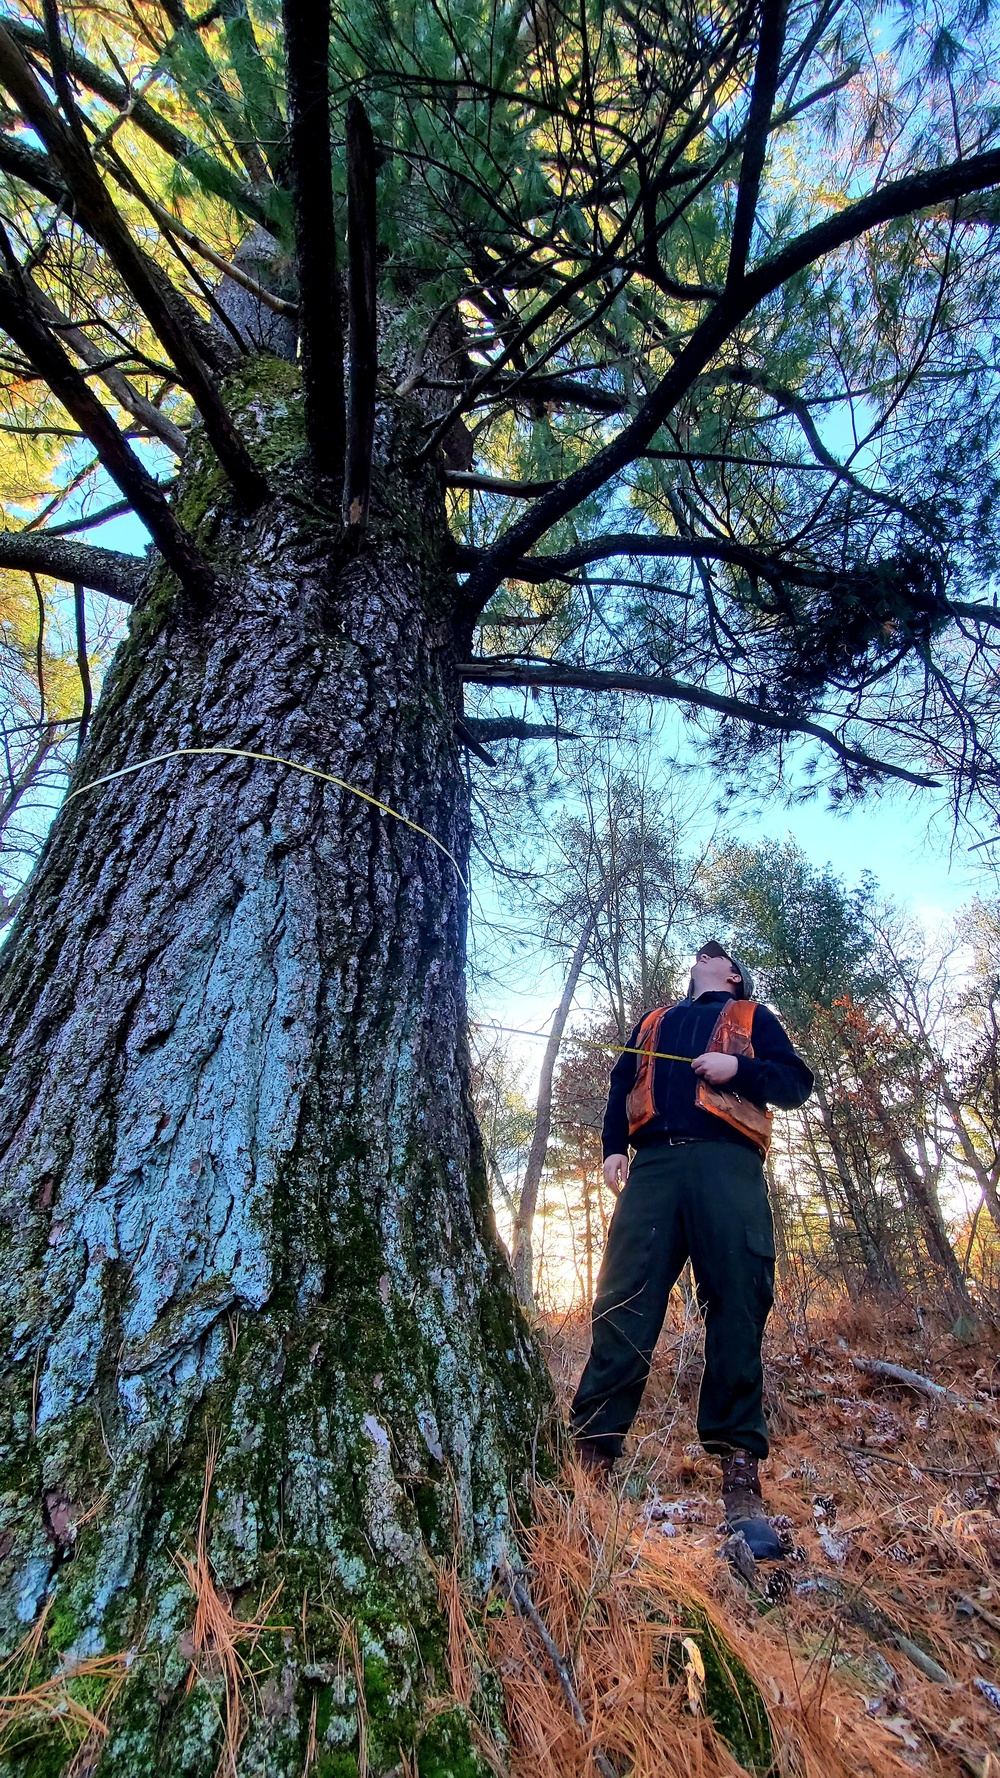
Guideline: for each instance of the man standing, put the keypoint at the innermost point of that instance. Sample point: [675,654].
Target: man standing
[692,1104]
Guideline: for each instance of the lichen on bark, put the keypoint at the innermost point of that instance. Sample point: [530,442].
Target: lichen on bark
[245,1225]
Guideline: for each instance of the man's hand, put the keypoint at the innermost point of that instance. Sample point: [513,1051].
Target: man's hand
[615,1172]
[715,1067]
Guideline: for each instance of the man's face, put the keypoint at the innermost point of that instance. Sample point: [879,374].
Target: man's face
[712,972]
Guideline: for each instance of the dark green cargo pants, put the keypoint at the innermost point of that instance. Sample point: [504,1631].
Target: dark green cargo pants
[706,1201]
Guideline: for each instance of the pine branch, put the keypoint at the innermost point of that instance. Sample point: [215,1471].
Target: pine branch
[107,571]
[158,128]
[119,386]
[21,320]
[307,48]
[96,208]
[559,678]
[901,197]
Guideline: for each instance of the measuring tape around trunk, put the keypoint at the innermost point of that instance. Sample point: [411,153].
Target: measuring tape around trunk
[140,765]
[588,1043]
[274,759]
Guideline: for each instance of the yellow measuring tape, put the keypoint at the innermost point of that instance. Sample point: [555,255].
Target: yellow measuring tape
[158,759]
[588,1043]
[274,759]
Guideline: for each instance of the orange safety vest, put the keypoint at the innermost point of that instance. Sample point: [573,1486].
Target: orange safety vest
[732,1036]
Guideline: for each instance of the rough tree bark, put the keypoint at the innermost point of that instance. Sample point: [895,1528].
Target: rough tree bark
[245,1225]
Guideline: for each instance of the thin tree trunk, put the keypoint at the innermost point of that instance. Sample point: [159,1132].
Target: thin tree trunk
[985,1177]
[835,1231]
[926,1208]
[248,1245]
[877,1262]
[521,1253]
[778,1218]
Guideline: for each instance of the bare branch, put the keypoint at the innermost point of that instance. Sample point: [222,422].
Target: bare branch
[495,484]
[765,85]
[557,678]
[119,385]
[539,569]
[41,173]
[35,169]
[512,728]
[107,571]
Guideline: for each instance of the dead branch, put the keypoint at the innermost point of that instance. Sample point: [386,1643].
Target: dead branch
[879,1626]
[964,1603]
[108,571]
[897,1373]
[528,1609]
[21,320]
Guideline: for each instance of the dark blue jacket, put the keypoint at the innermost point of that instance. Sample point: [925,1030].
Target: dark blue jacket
[773,1075]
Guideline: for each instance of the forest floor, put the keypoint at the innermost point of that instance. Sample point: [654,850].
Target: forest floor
[874,1650]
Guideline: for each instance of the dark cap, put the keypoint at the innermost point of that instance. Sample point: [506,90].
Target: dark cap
[714,949]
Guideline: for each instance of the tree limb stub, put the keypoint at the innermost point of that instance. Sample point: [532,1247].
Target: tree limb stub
[97,209]
[469,740]
[512,728]
[362,334]
[26,327]
[107,571]
[307,47]
[557,678]
[500,484]
[900,197]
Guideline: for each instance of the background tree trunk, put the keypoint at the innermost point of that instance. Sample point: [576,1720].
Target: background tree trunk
[521,1251]
[245,1220]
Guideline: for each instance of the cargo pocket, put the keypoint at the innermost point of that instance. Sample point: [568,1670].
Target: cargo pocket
[760,1243]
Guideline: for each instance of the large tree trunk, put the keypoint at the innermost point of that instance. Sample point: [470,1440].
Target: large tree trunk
[246,1231]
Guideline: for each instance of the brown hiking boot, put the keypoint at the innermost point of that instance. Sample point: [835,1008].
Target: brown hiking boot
[741,1497]
[592,1456]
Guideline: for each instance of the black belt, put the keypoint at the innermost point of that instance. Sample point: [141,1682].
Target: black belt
[660,1139]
